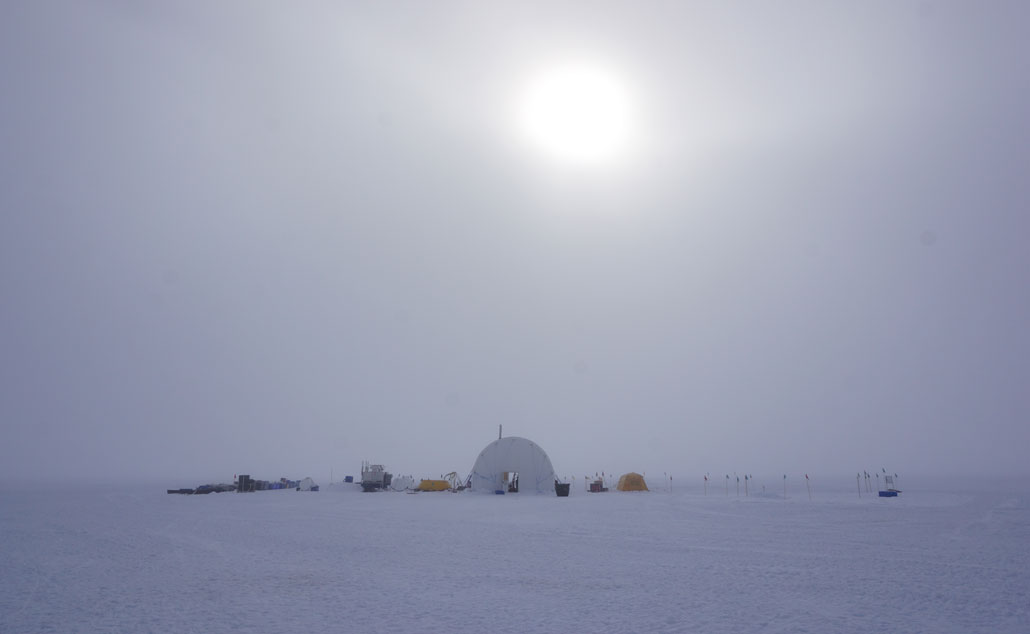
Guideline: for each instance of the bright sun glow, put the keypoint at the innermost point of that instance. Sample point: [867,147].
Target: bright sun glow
[577,114]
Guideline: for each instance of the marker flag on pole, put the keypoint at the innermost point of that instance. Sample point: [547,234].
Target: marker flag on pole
[806,476]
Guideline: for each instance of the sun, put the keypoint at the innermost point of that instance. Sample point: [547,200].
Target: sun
[577,114]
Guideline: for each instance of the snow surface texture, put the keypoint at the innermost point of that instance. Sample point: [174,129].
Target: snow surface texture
[285,561]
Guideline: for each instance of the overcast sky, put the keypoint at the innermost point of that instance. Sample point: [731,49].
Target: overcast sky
[280,238]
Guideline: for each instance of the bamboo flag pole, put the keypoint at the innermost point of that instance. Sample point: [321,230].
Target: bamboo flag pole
[706,485]
[857,476]
[784,486]
[727,485]
[808,486]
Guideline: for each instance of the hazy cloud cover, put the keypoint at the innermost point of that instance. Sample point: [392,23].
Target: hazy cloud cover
[282,238]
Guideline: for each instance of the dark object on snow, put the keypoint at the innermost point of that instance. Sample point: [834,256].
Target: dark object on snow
[245,485]
[214,488]
[348,479]
[181,491]
[561,489]
[891,492]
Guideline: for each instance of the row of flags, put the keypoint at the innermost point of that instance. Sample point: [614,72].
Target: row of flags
[747,476]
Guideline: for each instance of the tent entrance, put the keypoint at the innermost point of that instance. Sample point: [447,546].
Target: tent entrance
[511,481]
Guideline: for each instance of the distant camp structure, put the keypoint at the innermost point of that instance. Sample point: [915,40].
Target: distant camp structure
[246,484]
[205,489]
[513,465]
[631,482]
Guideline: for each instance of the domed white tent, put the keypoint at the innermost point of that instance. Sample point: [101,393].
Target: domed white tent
[513,455]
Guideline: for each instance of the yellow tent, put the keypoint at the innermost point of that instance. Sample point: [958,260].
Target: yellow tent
[632,482]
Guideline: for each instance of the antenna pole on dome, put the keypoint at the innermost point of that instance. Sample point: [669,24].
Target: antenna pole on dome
[499,428]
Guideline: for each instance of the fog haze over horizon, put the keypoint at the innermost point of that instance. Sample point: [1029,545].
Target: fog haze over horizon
[281,239]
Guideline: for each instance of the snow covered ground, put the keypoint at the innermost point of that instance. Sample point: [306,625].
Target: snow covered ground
[937,559]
